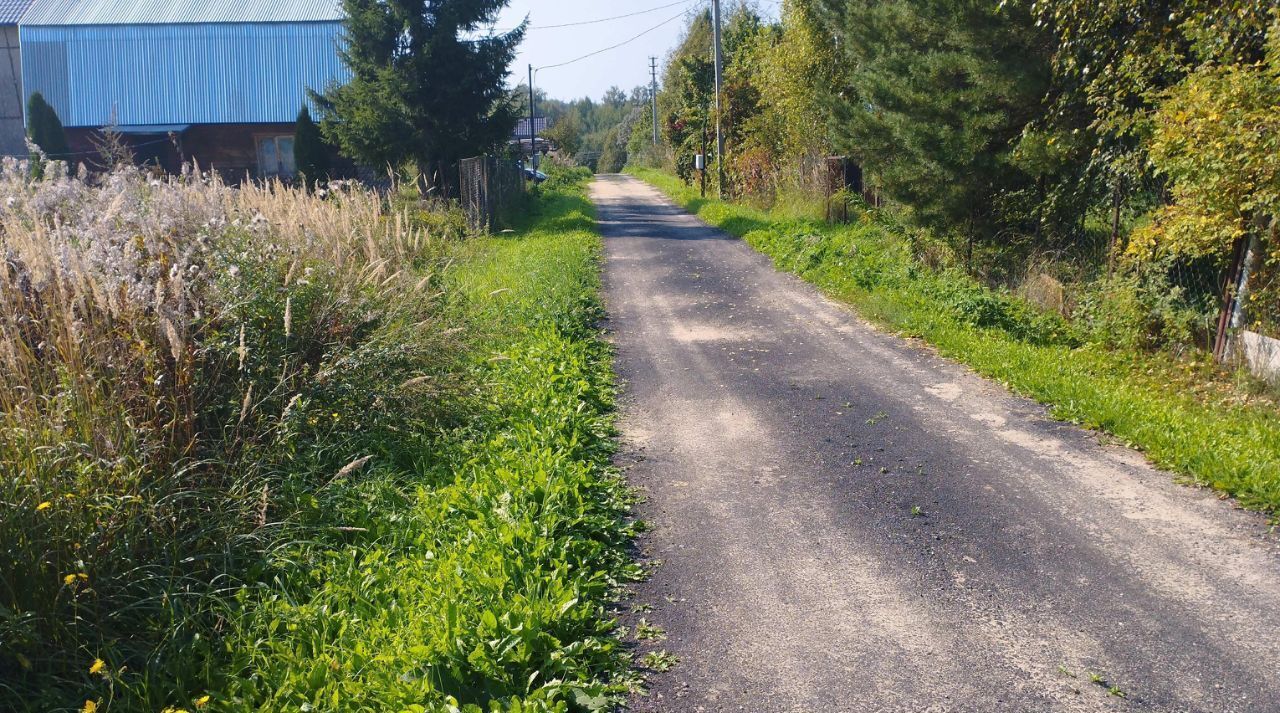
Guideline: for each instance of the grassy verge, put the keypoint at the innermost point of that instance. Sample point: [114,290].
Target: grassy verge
[394,491]
[1146,400]
[481,579]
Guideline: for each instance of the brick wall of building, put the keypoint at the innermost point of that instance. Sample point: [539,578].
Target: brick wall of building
[229,149]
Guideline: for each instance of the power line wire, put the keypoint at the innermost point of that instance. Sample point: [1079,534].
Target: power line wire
[611,19]
[596,22]
[614,47]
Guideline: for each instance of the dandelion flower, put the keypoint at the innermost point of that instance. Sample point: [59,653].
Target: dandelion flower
[44,506]
[89,707]
[69,580]
[202,701]
[98,666]
[83,577]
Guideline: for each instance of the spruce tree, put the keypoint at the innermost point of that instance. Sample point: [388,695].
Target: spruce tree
[310,153]
[423,92]
[44,128]
[933,98]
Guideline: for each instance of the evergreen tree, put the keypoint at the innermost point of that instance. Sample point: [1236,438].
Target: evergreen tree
[44,128]
[422,92]
[310,153]
[933,99]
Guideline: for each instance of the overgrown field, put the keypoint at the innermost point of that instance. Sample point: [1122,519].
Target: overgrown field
[269,451]
[1177,410]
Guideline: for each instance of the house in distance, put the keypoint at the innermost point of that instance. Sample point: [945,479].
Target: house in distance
[216,81]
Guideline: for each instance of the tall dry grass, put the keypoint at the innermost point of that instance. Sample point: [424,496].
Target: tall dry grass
[184,365]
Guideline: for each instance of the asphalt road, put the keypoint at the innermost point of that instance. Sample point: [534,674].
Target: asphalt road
[843,521]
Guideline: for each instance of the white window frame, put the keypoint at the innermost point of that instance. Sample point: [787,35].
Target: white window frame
[281,170]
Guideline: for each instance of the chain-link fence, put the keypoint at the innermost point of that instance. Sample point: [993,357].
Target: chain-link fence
[491,190]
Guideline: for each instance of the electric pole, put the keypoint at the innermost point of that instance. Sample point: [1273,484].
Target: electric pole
[533,131]
[715,20]
[653,95]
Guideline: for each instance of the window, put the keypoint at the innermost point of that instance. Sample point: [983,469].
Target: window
[275,157]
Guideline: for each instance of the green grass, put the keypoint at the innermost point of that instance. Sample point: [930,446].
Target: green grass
[403,498]
[479,580]
[1147,400]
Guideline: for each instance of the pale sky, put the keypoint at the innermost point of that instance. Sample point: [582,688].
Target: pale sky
[625,66]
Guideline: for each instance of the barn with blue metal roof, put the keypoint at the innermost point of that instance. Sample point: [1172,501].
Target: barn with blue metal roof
[218,81]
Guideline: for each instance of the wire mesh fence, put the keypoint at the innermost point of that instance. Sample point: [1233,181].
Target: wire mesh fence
[490,190]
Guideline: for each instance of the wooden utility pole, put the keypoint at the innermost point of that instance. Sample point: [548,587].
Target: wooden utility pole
[704,160]
[719,62]
[653,95]
[533,130]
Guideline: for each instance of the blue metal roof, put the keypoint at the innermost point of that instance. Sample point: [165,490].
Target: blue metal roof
[160,12]
[215,73]
[11,11]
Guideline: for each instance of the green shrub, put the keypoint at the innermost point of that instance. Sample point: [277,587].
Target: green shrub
[561,177]
[310,152]
[978,306]
[1142,308]
[44,128]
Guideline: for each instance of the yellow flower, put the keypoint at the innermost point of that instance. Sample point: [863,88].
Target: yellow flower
[84,577]
[98,666]
[202,701]
[44,506]
[69,580]
[171,709]
[89,707]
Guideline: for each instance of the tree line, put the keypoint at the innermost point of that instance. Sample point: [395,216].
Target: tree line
[1138,134]
[590,132]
